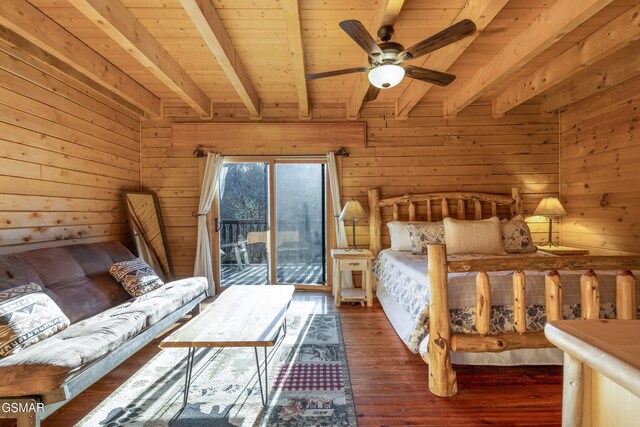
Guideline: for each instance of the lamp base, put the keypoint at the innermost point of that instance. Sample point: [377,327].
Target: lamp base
[353,247]
[550,239]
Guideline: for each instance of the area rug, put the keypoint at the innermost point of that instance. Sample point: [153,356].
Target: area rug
[308,384]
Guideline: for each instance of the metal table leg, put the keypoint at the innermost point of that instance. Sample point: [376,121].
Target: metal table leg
[264,391]
[284,325]
[187,381]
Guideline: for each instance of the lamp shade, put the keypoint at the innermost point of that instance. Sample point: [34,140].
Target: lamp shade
[352,211]
[550,207]
[386,76]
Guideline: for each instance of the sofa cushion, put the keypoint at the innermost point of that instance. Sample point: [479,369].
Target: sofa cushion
[135,276]
[27,316]
[76,277]
[46,365]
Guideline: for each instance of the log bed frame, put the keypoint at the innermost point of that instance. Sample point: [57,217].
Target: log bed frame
[442,377]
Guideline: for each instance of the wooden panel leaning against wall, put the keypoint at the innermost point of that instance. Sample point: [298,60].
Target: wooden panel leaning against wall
[600,152]
[473,152]
[66,154]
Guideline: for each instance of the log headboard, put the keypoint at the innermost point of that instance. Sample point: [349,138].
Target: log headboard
[443,200]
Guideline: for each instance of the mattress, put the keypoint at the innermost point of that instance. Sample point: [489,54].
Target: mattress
[403,290]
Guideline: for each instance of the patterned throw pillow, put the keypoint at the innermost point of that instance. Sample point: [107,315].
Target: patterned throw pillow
[27,316]
[516,236]
[426,234]
[136,277]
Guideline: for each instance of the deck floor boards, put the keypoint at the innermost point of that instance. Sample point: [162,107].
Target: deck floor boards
[256,274]
[389,382]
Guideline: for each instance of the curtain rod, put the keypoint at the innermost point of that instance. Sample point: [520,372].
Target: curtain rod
[199,152]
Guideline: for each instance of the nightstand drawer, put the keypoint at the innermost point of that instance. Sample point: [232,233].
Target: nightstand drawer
[353,264]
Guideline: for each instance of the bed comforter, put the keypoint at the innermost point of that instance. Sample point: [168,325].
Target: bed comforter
[403,277]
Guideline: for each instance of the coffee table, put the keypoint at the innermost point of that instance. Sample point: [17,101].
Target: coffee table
[242,316]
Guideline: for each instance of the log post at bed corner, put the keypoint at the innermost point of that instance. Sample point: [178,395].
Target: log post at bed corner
[375,222]
[442,377]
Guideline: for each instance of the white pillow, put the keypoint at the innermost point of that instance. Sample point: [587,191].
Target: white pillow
[473,237]
[400,239]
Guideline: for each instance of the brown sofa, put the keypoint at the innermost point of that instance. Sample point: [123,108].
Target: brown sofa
[107,325]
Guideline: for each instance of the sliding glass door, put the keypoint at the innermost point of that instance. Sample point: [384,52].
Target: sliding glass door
[243,224]
[301,243]
[271,222]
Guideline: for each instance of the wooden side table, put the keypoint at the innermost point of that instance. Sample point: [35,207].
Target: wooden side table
[601,385]
[563,250]
[352,260]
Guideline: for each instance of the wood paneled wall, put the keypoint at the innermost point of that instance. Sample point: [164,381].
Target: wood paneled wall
[66,154]
[600,164]
[473,152]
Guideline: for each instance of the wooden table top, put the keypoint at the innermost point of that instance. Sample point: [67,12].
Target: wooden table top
[351,253]
[563,250]
[242,316]
[611,347]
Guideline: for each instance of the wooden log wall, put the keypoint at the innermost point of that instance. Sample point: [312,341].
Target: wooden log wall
[600,153]
[425,153]
[66,154]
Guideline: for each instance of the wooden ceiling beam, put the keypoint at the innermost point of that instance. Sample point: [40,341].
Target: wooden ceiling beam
[208,22]
[481,13]
[617,34]
[121,26]
[614,69]
[549,27]
[34,26]
[386,14]
[296,53]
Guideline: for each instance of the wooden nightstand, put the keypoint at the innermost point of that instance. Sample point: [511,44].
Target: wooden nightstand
[352,260]
[563,250]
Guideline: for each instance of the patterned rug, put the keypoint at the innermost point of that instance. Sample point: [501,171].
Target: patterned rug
[308,384]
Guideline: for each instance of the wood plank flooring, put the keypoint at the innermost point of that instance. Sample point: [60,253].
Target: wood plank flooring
[390,383]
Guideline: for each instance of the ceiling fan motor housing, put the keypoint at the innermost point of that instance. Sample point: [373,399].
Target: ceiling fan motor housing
[390,54]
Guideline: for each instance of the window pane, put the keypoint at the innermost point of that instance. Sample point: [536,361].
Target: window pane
[243,223]
[300,224]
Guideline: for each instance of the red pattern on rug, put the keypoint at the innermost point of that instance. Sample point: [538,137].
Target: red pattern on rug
[312,376]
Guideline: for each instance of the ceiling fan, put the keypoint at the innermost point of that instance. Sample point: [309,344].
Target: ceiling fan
[384,58]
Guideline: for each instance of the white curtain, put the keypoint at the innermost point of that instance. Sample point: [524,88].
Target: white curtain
[341,235]
[210,184]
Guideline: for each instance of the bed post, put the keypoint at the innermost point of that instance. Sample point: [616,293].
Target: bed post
[442,377]
[516,208]
[375,223]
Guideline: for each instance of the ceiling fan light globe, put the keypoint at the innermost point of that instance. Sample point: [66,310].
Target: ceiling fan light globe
[386,76]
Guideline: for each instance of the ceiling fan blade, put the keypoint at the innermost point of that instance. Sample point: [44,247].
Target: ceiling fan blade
[445,37]
[372,93]
[360,35]
[430,76]
[336,73]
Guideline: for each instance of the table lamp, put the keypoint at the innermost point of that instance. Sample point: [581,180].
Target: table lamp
[353,212]
[550,208]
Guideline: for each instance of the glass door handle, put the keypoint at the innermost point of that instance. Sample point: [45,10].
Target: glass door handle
[217,225]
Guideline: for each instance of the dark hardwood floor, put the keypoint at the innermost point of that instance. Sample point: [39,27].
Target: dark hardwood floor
[390,383]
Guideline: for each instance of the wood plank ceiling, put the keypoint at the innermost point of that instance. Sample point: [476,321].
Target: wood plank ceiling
[265,46]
